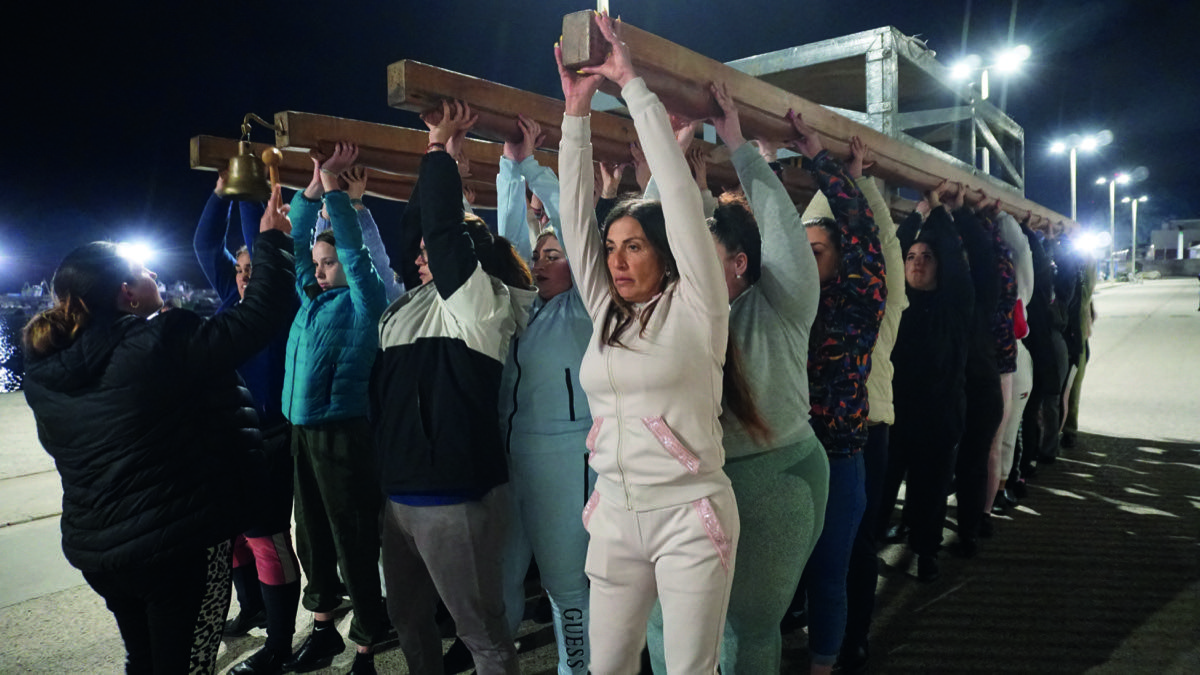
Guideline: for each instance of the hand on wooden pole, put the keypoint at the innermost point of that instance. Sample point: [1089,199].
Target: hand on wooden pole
[617,66]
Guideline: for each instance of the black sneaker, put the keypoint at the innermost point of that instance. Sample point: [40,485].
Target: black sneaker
[1010,498]
[1019,489]
[364,664]
[965,547]
[1068,441]
[852,661]
[317,652]
[243,622]
[265,661]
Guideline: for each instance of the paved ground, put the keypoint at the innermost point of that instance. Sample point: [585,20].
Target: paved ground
[1097,572]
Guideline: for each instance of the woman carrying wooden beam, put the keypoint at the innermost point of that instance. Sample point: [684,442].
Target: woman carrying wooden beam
[663,521]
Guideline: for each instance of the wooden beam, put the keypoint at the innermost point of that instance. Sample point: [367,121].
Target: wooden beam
[421,88]
[680,77]
[382,146]
[211,153]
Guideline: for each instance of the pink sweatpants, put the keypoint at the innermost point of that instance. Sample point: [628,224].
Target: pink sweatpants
[273,556]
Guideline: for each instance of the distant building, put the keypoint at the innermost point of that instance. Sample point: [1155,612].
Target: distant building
[1176,240]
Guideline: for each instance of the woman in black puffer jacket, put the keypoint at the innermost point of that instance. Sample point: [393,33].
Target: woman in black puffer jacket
[156,440]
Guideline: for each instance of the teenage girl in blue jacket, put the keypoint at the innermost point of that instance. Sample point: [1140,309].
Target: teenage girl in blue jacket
[330,351]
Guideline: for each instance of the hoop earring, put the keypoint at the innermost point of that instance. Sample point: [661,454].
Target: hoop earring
[134,304]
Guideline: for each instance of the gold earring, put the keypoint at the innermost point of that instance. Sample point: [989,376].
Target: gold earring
[134,304]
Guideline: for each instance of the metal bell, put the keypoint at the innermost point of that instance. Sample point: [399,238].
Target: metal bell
[247,176]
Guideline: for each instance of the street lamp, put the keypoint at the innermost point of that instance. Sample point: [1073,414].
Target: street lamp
[1121,178]
[1073,144]
[1133,214]
[1005,62]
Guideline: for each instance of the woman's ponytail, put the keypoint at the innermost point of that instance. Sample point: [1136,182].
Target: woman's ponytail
[54,329]
[85,285]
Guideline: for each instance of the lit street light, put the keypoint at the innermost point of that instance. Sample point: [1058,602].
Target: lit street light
[1006,62]
[1133,245]
[1074,143]
[1121,178]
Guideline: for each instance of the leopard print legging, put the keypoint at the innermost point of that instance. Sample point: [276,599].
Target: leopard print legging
[206,637]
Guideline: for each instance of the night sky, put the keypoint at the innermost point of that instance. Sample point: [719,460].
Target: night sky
[102,101]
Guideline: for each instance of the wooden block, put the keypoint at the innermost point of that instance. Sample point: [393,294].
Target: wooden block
[680,77]
[590,49]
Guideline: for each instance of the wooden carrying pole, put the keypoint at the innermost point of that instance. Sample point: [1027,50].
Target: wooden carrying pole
[295,171]
[680,77]
[383,146]
[421,88]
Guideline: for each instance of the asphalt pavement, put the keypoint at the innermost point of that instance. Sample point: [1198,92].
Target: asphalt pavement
[1097,571]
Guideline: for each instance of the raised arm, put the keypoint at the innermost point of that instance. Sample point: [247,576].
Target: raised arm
[356,182]
[789,272]
[981,258]
[1022,256]
[862,275]
[541,179]
[700,272]
[233,336]
[576,184]
[954,275]
[510,206]
[366,288]
[251,214]
[452,257]
[517,167]
[889,243]
[209,244]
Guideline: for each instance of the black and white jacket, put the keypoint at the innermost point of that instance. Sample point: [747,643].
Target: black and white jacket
[436,380]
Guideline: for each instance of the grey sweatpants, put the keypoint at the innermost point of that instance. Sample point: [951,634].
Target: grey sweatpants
[453,552]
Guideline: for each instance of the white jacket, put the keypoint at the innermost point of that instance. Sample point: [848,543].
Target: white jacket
[655,437]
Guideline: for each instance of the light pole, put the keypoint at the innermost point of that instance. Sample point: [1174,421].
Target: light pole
[1133,215]
[1073,144]
[1121,178]
[1006,62]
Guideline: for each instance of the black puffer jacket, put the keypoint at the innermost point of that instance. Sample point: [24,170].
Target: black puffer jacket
[155,438]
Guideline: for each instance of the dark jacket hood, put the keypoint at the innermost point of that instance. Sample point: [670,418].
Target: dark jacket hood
[81,364]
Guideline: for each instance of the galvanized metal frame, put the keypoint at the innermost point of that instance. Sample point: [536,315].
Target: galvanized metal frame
[975,129]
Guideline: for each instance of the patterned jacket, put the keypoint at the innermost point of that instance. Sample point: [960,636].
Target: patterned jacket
[848,318]
[1002,319]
